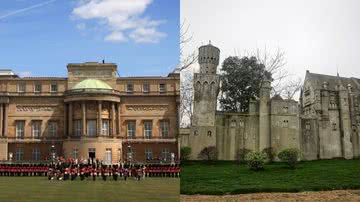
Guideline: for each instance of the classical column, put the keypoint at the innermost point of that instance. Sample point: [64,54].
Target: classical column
[118,119]
[1,119]
[70,119]
[83,109]
[6,119]
[99,121]
[113,123]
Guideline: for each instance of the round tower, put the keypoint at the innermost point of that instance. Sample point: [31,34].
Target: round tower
[208,59]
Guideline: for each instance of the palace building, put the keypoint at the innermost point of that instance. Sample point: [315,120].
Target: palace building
[92,113]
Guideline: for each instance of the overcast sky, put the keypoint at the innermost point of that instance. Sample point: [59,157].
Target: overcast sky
[318,35]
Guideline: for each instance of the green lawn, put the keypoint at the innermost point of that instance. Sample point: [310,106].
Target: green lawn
[229,178]
[38,189]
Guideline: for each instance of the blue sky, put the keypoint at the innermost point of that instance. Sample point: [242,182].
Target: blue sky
[40,37]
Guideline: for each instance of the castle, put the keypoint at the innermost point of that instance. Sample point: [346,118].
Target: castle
[91,113]
[324,124]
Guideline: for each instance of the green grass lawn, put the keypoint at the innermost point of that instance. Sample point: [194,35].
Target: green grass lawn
[38,189]
[229,178]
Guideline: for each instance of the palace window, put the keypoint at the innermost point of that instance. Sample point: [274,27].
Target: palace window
[21,88]
[146,88]
[285,109]
[131,128]
[307,125]
[36,129]
[75,153]
[147,129]
[20,127]
[54,88]
[52,128]
[130,88]
[37,88]
[91,128]
[105,127]
[19,154]
[148,154]
[164,128]
[36,154]
[165,154]
[130,153]
[108,154]
[233,123]
[77,128]
[162,88]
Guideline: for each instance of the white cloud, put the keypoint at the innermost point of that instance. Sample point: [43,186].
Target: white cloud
[116,37]
[147,35]
[121,17]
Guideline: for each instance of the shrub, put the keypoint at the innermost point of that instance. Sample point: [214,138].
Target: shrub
[290,156]
[255,160]
[185,153]
[270,153]
[240,155]
[208,153]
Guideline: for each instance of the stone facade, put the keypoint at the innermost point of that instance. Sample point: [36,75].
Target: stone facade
[112,118]
[324,124]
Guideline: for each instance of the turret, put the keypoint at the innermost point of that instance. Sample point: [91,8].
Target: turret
[264,115]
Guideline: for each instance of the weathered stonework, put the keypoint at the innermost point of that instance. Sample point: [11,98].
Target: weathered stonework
[325,123]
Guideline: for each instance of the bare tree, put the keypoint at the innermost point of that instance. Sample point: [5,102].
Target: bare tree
[186,76]
[283,83]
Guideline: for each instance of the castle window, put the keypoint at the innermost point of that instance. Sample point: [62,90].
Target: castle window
[196,132]
[129,88]
[209,133]
[334,127]
[146,88]
[241,123]
[162,88]
[21,87]
[233,123]
[286,123]
[285,109]
[307,125]
[54,88]
[37,88]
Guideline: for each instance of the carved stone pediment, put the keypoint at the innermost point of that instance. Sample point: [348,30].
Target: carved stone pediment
[147,107]
[35,108]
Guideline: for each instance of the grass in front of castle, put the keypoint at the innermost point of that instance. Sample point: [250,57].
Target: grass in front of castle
[38,189]
[224,177]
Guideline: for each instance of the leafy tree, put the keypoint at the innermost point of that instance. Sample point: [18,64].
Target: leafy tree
[241,154]
[185,153]
[270,154]
[240,82]
[255,160]
[208,153]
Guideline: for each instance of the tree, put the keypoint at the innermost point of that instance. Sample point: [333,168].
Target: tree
[240,82]
[186,76]
[208,153]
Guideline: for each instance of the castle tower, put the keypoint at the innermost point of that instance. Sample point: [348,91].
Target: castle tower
[206,89]
[345,122]
[264,115]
